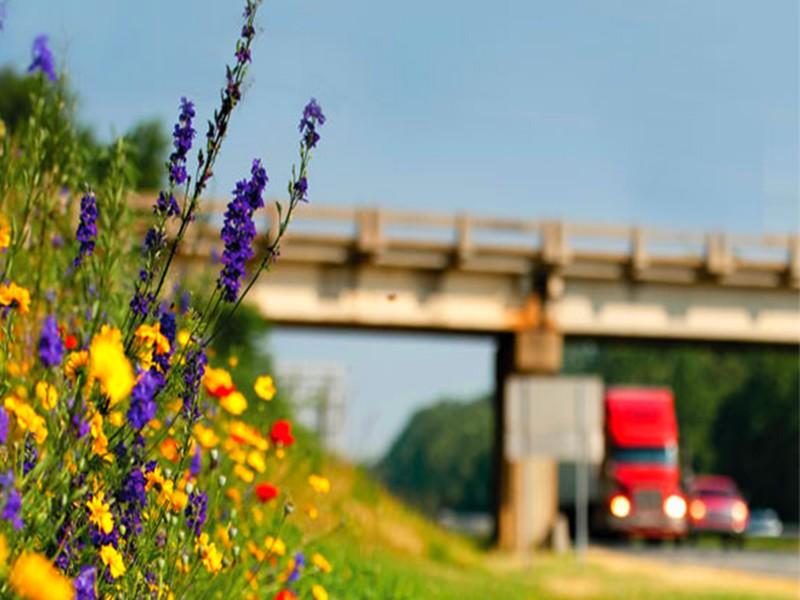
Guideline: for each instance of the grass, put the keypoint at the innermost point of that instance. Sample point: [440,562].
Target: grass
[384,550]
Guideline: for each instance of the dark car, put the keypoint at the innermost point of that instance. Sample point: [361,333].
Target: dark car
[717,506]
[764,522]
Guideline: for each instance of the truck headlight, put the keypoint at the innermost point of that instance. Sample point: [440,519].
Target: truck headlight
[739,511]
[675,506]
[697,509]
[619,506]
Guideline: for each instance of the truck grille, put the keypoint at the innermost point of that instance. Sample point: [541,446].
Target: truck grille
[647,500]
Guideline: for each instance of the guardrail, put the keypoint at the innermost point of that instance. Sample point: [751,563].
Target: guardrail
[564,246]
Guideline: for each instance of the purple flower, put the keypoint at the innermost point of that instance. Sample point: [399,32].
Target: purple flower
[301,189]
[84,584]
[30,456]
[87,228]
[166,205]
[42,58]
[51,348]
[143,407]
[12,506]
[196,511]
[239,230]
[299,563]
[140,303]
[312,117]
[197,462]
[182,137]
[194,370]
[3,425]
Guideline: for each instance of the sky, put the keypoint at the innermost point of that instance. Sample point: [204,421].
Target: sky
[676,114]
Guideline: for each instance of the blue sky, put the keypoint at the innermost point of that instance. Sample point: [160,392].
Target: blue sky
[680,113]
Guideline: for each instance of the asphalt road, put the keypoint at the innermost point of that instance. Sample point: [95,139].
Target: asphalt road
[765,562]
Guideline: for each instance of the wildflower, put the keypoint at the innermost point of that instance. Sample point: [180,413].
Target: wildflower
[42,58]
[12,506]
[183,337]
[113,560]
[312,117]
[100,513]
[3,425]
[27,418]
[51,348]
[235,403]
[87,228]
[321,485]
[255,459]
[311,511]
[5,228]
[321,563]
[264,387]
[108,364]
[285,595]
[33,577]
[70,342]
[182,137]
[152,339]
[209,555]
[318,592]
[242,433]
[47,395]
[281,433]
[143,407]
[205,436]
[30,455]
[15,296]
[196,362]
[295,565]
[218,382]
[100,441]
[266,492]
[275,546]
[166,205]
[239,230]
[75,361]
[84,584]
[169,449]
[196,464]
[196,511]
[243,473]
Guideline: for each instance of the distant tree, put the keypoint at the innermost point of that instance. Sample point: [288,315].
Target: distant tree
[442,458]
[757,434]
[146,143]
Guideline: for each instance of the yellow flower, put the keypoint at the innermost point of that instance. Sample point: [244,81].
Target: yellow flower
[274,546]
[151,337]
[3,551]
[205,436]
[108,363]
[5,228]
[13,295]
[47,395]
[178,500]
[235,403]
[243,433]
[27,418]
[113,560]
[116,418]
[321,563]
[318,592]
[321,485]
[210,556]
[243,473]
[33,577]
[233,361]
[311,511]
[169,449]
[100,441]
[75,361]
[100,513]
[183,337]
[264,387]
[256,460]
[218,382]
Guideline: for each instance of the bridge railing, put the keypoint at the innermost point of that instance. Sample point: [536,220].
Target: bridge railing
[373,231]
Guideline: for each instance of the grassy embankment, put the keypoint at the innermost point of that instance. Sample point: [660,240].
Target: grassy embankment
[381,549]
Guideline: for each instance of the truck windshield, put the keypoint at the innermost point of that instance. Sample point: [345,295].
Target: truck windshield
[659,456]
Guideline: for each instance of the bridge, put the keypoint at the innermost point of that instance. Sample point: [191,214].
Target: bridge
[528,283]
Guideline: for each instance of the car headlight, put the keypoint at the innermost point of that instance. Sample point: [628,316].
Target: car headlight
[739,511]
[697,509]
[675,507]
[619,506]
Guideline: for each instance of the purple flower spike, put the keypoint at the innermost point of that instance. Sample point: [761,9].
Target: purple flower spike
[87,228]
[51,348]
[42,58]
[84,584]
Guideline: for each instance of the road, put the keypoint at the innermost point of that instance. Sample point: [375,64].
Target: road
[764,562]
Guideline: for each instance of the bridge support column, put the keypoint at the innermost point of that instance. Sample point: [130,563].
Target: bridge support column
[526,490]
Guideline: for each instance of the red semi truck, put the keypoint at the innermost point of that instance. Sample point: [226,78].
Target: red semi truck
[641,489]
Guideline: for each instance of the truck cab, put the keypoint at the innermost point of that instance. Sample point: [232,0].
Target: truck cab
[643,497]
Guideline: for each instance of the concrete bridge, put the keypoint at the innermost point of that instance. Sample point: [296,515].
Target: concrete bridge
[528,283]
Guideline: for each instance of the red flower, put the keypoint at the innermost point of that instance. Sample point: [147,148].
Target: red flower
[282,433]
[71,342]
[266,492]
[285,595]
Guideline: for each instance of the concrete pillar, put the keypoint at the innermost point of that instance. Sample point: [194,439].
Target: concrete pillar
[526,491]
